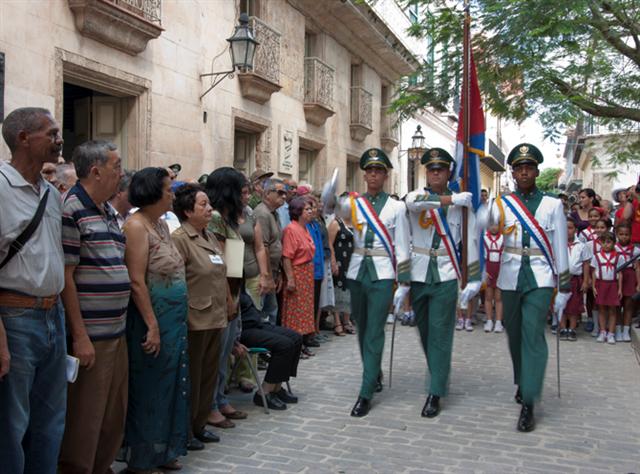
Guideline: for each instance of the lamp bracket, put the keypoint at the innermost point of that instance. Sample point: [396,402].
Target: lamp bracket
[218,78]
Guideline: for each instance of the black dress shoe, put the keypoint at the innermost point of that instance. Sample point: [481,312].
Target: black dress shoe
[273,402]
[285,396]
[526,422]
[379,385]
[361,408]
[518,397]
[207,436]
[195,445]
[431,407]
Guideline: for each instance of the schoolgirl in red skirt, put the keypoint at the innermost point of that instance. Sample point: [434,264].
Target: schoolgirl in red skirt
[607,286]
[579,258]
[493,242]
[601,226]
[630,279]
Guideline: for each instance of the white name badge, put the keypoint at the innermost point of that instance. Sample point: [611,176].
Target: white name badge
[216,259]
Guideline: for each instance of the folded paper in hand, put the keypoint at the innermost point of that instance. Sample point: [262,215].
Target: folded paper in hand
[73,364]
[234,257]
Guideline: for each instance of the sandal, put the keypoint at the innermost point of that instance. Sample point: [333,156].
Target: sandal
[348,327]
[338,330]
[307,352]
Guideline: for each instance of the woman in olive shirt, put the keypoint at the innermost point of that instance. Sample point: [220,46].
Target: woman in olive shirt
[209,301]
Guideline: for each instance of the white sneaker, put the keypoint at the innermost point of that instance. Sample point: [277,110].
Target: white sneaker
[498,327]
[626,337]
[611,338]
[467,325]
[595,332]
[618,333]
[390,318]
[460,324]
[602,336]
[488,326]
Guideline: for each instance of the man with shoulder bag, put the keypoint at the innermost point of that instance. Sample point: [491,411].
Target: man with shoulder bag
[33,386]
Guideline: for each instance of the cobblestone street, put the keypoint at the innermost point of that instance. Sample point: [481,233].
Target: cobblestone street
[594,427]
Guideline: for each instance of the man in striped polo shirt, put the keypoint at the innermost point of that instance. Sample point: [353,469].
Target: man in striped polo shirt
[95,298]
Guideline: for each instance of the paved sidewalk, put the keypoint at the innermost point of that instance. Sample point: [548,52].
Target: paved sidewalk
[593,428]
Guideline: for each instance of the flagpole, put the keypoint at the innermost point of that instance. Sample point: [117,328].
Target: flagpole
[466,96]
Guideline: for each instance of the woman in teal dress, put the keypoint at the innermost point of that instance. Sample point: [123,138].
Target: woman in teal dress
[157,426]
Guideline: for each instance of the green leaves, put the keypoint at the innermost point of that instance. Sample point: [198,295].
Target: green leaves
[557,60]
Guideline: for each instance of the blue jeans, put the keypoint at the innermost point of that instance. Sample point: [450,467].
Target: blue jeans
[33,395]
[229,336]
[270,307]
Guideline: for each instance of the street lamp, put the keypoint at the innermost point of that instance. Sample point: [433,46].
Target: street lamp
[242,45]
[417,145]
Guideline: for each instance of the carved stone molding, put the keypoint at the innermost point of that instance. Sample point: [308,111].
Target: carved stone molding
[359,132]
[266,62]
[318,91]
[256,88]
[126,25]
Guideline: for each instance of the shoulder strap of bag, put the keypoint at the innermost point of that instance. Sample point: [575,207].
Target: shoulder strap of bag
[28,231]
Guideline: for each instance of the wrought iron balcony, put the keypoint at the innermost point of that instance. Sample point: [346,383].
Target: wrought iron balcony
[318,90]
[361,125]
[127,25]
[264,80]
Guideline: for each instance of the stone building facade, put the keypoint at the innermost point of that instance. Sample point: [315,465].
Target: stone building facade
[130,71]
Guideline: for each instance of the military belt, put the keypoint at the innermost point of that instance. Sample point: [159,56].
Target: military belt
[371,252]
[524,251]
[431,252]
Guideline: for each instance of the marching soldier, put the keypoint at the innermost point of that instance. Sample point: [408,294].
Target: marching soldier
[435,215]
[380,256]
[534,263]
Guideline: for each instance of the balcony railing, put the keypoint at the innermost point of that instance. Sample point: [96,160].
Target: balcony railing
[388,123]
[267,59]
[150,10]
[361,106]
[318,82]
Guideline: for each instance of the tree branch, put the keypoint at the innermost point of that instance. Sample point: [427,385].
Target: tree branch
[613,38]
[624,19]
[611,111]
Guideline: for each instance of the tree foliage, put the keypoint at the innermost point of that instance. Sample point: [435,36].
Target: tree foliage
[548,179]
[560,61]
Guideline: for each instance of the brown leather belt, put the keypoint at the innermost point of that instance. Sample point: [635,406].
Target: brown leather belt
[17,300]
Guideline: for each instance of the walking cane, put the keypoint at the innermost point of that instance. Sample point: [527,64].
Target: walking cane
[393,337]
[559,319]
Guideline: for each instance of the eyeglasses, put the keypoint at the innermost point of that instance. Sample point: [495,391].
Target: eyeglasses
[282,192]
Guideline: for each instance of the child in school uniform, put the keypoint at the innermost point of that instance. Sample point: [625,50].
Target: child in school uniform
[600,226]
[589,234]
[607,286]
[579,260]
[493,247]
[630,281]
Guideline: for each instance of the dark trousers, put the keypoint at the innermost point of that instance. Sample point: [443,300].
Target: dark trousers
[284,345]
[204,357]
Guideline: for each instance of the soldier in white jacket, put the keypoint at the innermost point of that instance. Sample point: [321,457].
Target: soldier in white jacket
[380,257]
[534,263]
[435,215]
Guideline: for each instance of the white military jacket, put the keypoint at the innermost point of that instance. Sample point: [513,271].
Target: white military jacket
[422,237]
[550,215]
[394,217]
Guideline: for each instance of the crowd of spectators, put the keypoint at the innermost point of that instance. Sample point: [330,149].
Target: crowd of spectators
[143,291]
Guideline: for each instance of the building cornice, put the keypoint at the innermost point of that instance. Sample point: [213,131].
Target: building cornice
[358,28]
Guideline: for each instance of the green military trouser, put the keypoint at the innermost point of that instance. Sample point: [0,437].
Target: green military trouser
[525,316]
[370,302]
[435,309]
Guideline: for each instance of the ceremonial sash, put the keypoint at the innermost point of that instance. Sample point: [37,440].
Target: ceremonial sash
[531,225]
[376,225]
[442,228]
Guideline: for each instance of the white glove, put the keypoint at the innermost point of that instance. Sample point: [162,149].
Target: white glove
[399,296]
[469,291]
[462,199]
[560,303]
